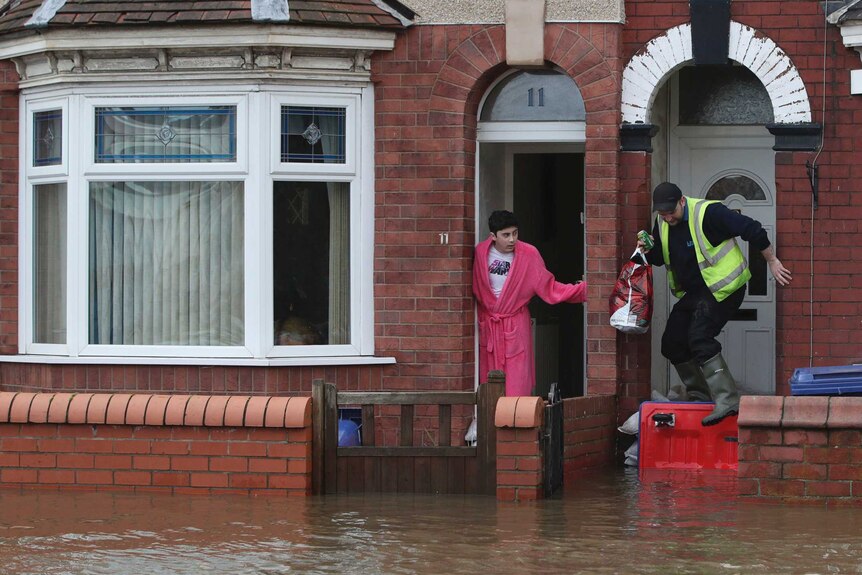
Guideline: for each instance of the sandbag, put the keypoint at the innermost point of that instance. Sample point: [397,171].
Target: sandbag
[631,300]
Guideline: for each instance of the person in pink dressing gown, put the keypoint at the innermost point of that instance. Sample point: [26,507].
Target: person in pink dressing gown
[507,273]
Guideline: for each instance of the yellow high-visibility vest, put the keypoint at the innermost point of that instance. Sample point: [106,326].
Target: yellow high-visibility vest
[723,267]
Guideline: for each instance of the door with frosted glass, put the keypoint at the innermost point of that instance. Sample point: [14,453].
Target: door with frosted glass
[720,149]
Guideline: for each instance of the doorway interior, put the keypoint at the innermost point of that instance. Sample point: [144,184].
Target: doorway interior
[543,184]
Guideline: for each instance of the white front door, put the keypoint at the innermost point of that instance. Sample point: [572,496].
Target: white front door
[736,165]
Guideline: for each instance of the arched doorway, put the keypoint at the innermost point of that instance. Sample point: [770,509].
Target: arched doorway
[530,160]
[718,129]
[717,147]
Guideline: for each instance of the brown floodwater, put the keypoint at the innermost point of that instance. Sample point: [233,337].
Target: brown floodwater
[609,522]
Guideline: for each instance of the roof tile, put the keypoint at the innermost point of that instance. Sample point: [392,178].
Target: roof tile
[76,13]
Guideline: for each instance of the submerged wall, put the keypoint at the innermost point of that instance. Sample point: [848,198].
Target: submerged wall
[589,433]
[147,442]
[803,449]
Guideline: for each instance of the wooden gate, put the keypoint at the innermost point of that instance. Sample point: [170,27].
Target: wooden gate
[440,468]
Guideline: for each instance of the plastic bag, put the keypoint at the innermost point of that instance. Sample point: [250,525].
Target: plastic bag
[631,301]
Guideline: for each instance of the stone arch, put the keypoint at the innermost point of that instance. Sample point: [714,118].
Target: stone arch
[479,59]
[647,71]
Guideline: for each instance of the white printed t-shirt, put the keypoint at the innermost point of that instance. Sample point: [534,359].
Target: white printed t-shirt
[498,269]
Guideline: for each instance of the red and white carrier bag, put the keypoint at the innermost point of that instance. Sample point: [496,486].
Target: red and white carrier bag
[631,300]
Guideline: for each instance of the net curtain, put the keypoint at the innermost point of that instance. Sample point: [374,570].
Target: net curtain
[339,243]
[166,263]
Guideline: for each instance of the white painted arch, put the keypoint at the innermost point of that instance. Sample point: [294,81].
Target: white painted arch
[647,71]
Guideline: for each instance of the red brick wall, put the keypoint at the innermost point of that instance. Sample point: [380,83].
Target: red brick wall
[635,350]
[519,464]
[8,208]
[428,90]
[822,305]
[804,449]
[128,442]
[171,459]
[186,379]
[589,434]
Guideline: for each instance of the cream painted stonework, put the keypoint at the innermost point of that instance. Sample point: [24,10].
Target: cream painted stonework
[494,11]
[525,26]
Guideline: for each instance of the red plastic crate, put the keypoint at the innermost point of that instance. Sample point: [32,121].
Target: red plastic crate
[672,437]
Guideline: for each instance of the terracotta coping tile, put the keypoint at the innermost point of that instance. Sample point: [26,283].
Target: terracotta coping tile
[275,412]
[78,408]
[178,410]
[214,414]
[255,410]
[97,411]
[137,409]
[234,411]
[805,412]
[155,414]
[195,409]
[117,407]
[298,414]
[175,411]
[760,411]
[845,412]
[20,412]
[6,398]
[519,412]
[58,412]
[39,407]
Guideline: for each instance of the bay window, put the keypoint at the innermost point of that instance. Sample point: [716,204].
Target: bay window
[217,225]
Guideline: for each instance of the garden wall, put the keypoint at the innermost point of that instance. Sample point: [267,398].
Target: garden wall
[147,442]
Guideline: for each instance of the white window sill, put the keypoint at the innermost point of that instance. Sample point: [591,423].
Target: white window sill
[203,361]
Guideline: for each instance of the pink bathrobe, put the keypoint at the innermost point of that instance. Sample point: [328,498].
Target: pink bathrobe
[505,338]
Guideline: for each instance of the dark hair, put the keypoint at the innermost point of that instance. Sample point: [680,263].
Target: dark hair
[500,220]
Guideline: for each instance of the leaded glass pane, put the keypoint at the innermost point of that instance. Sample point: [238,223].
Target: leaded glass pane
[166,134]
[314,135]
[311,263]
[48,138]
[722,95]
[49,263]
[735,185]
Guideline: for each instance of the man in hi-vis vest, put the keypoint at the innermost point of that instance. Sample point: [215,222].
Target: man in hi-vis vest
[695,239]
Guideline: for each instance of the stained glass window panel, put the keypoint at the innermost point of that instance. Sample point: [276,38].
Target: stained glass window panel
[314,135]
[166,134]
[48,138]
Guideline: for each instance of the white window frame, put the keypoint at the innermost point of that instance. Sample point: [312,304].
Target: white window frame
[352,129]
[38,175]
[257,166]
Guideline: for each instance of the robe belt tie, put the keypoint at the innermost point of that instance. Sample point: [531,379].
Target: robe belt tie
[496,338]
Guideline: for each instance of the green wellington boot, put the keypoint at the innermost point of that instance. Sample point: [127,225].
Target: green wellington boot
[723,389]
[693,380]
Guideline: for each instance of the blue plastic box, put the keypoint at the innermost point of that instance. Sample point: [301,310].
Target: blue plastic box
[827,380]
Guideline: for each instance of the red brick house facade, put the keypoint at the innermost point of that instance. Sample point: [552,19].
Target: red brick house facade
[420,101]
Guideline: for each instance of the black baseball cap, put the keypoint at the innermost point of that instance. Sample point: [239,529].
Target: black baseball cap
[665,196]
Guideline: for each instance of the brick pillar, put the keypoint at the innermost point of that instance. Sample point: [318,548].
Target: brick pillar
[519,422]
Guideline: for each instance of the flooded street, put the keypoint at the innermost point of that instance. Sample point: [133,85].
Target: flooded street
[613,522]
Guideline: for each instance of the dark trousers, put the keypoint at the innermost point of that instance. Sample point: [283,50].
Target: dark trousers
[694,323]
